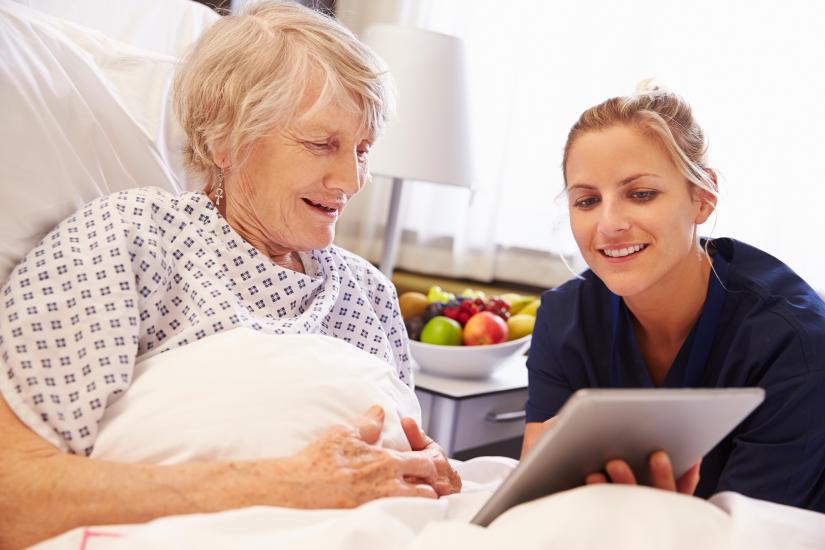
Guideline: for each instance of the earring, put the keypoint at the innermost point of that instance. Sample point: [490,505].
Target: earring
[219,188]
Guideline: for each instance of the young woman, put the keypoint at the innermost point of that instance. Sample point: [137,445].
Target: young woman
[662,307]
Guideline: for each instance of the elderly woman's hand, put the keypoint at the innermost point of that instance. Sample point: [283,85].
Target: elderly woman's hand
[447,479]
[343,469]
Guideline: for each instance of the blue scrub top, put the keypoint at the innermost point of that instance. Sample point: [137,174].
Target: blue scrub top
[765,327]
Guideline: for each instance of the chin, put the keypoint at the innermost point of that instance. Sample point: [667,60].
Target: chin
[317,242]
[623,286]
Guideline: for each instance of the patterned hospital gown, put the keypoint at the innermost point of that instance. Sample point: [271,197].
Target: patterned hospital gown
[140,272]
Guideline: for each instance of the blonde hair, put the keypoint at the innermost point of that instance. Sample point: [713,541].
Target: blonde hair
[660,113]
[252,72]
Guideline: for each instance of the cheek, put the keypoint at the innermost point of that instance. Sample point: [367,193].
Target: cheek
[581,227]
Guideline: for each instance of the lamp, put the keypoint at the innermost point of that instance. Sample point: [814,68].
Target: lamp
[429,138]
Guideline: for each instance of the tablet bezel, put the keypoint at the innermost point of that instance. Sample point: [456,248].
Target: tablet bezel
[596,425]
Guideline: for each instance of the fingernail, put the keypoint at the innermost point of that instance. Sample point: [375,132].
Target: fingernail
[377,411]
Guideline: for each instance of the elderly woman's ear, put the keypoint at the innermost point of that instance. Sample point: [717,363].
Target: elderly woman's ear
[220,157]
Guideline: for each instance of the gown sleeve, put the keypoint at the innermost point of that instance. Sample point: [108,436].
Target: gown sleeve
[69,324]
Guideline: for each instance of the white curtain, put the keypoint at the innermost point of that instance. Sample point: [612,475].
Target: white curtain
[754,72]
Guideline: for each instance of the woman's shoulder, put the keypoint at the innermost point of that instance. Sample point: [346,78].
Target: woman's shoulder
[141,203]
[766,278]
[767,297]
[576,310]
[583,291]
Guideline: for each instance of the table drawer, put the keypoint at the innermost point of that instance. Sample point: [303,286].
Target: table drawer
[488,419]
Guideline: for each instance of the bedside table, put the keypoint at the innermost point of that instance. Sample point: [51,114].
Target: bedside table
[463,414]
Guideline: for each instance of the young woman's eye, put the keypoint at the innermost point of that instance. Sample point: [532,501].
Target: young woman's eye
[584,203]
[643,196]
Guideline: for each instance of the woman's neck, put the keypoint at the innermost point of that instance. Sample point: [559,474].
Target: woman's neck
[288,259]
[663,317]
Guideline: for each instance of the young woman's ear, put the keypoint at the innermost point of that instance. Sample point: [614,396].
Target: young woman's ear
[706,199]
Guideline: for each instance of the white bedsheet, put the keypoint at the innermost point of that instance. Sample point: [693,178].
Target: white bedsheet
[606,516]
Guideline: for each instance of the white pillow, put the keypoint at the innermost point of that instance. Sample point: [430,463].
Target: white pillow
[83,116]
[163,26]
[243,394]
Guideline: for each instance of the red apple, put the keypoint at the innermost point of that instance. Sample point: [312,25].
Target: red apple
[485,328]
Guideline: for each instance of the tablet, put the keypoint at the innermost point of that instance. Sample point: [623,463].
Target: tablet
[598,425]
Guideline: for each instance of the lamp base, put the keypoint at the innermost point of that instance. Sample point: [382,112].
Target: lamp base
[392,229]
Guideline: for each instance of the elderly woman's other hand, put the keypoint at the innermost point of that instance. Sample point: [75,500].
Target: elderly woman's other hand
[343,469]
[447,480]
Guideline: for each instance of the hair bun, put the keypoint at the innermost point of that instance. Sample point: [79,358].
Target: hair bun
[648,86]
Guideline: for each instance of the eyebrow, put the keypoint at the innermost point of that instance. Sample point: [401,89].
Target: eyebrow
[320,130]
[620,183]
[313,129]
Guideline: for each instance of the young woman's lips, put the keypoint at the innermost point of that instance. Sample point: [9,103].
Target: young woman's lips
[625,253]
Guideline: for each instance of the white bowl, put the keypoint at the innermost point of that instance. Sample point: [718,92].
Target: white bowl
[466,361]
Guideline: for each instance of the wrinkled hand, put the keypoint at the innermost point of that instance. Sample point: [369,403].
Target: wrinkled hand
[661,474]
[447,480]
[343,468]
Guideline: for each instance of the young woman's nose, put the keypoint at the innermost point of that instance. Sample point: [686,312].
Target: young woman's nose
[346,173]
[613,218]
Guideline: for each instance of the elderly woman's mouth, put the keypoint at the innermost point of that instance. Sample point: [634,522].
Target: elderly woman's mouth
[329,208]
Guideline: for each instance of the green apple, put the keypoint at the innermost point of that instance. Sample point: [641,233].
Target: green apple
[441,331]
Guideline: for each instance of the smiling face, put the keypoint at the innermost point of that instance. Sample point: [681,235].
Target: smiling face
[289,193]
[634,215]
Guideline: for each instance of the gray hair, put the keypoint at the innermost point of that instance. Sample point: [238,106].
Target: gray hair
[250,73]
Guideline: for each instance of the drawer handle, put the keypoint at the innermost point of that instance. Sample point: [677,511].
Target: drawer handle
[506,416]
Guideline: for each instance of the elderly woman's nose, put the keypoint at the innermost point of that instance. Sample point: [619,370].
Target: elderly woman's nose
[346,173]
[613,217]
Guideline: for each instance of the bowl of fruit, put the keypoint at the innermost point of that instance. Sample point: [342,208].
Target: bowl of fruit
[469,335]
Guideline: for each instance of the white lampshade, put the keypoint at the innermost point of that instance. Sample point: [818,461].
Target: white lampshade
[429,138]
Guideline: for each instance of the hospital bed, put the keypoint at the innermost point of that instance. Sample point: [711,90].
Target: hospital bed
[84,89]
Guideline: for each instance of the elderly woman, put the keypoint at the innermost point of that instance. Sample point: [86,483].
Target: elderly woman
[280,107]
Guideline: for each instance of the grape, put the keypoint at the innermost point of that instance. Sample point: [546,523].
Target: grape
[499,307]
[433,310]
[452,312]
[464,316]
[414,326]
